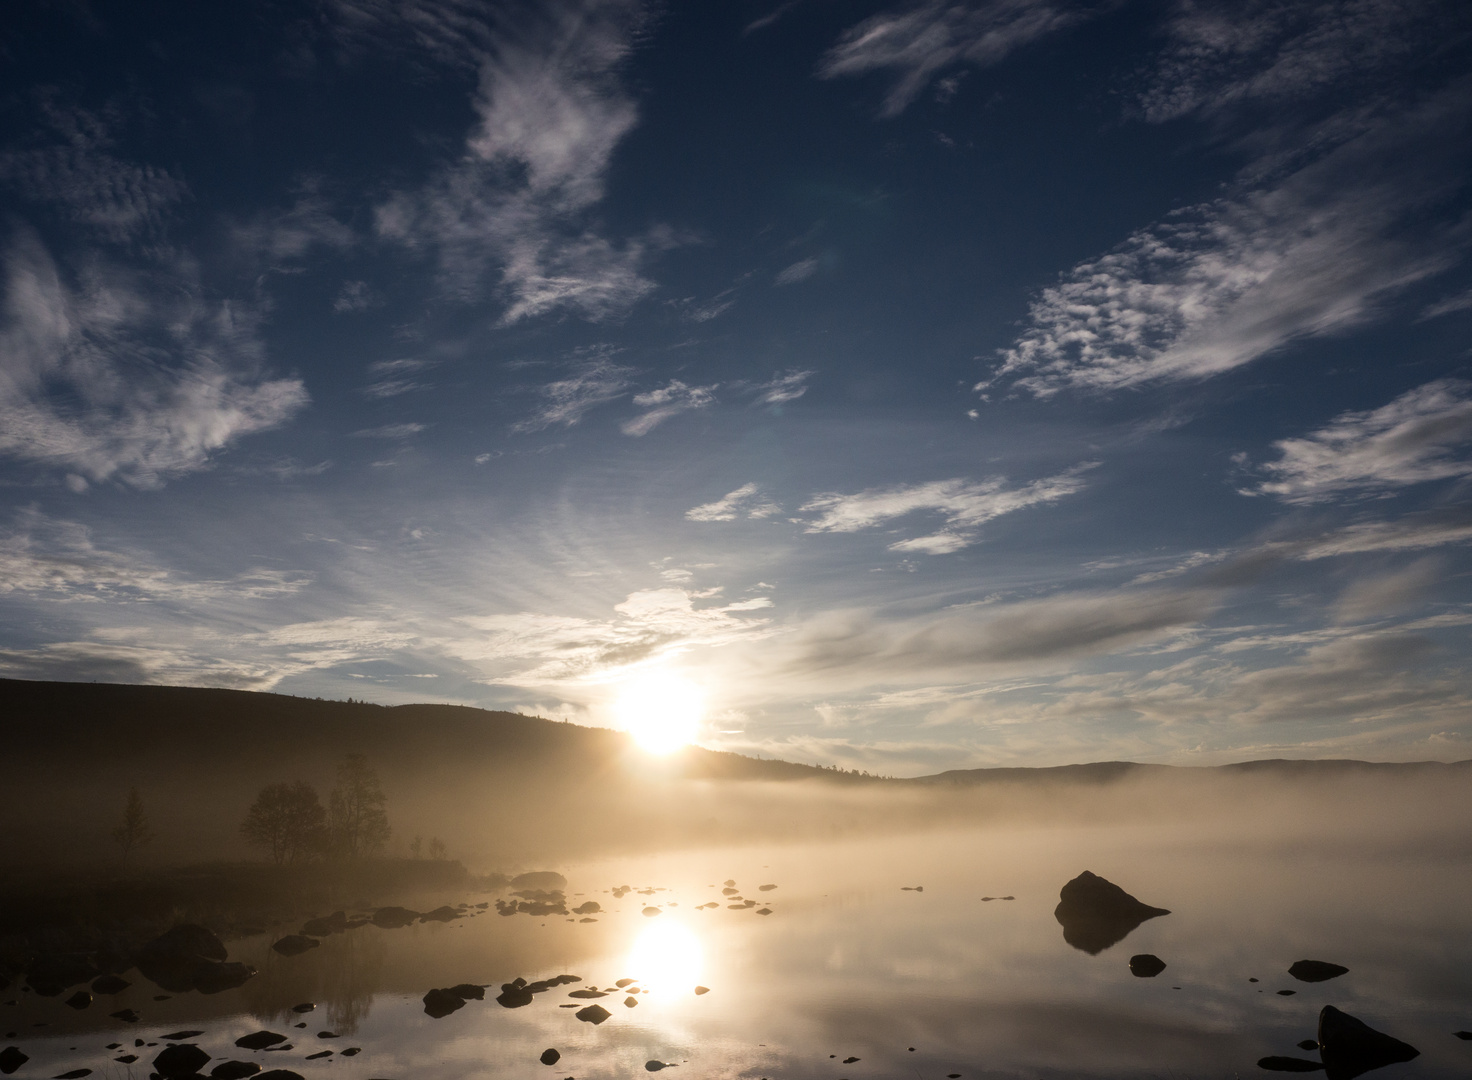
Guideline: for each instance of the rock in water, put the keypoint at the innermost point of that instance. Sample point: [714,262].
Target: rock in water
[589,907]
[295,944]
[259,1040]
[391,918]
[469,991]
[1096,913]
[654,1065]
[304,1007]
[279,1074]
[550,1056]
[1315,970]
[593,1014]
[1350,1047]
[1288,1064]
[12,1058]
[1146,965]
[179,1060]
[109,984]
[440,1003]
[440,914]
[701,990]
[80,1000]
[651,911]
[234,1070]
[74,1074]
[211,976]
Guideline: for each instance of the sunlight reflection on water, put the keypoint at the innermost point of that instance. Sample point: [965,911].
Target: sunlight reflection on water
[666,956]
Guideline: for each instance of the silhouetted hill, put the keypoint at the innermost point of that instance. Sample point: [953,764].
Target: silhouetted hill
[1108,772]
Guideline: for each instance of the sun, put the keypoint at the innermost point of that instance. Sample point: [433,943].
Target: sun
[666,956]
[661,710]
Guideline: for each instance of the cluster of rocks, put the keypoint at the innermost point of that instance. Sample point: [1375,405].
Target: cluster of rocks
[385,918]
[519,992]
[534,902]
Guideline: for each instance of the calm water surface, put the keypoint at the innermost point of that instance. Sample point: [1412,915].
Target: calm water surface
[849,964]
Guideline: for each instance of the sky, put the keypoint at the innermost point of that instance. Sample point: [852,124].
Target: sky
[918,385]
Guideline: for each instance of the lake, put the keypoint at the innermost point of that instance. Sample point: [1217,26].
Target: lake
[882,950]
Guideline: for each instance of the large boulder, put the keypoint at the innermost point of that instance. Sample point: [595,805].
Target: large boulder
[1095,913]
[1350,1047]
[179,1060]
[110,984]
[295,944]
[593,1014]
[188,939]
[1312,971]
[440,1003]
[259,1040]
[212,976]
[178,959]
[12,1058]
[51,973]
[1146,965]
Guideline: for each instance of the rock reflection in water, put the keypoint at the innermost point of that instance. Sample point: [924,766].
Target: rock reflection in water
[343,975]
[1096,913]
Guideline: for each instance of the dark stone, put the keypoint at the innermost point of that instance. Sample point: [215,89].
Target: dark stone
[1463,1034]
[335,923]
[630,1001]
[126,1059]
[469,991]
[318,1055]
[110,984]
[441,1003]
[327,1035]
[259,1040]
[593,1014]
[295,944]
[765,888]
[1350,1047]
[588,907]
[539,879]
[764,911]
[513,997]
[74,1074]
[127,1016]
[188,939]
[1316,970]
[234,1070]
[1308,1044]
[1096,913]
[179,1036]
[587,994]
[850,1060]
[441,914]
[1146,965]
[550,1056]
[12,1058]
[51,973]
[351,1051]
[304,1007]
[180,958]
[80,1000]
[179,1060]
[1286,993]
[279,1074]
[1289,1064]
[655,1066]
[702,990]
[652,911]
[391,918]
[211,977]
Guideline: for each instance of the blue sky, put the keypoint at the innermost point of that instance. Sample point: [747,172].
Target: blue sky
[928,384]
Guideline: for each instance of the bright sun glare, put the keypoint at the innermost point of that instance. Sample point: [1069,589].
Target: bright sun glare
[662,711]
[666,956]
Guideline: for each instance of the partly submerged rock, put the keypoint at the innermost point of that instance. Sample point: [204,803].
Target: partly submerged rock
[441,914]
[279,1074]
[295,944]
[469,991]
[651,911]
[1316,970]
[110,984]
[440,1003]
[593,1014]
[180,1036]
[1350,1047]
[1146,965]
[539,879]
[630,1001]
[701,990]
[179,1060]
[80,1000]
[391,918]
[550,1056]
[259,1040]
[212,976]
[766,888]
[234,1070]
[1095,913]
[51,973]
[304,1007]
[588,907]
[12,1058]
[587,994]
[654,1065]
[188,939]
[74,1074]
[127,1016]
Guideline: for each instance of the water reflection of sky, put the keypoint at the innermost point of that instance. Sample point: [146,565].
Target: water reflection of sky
[851,966]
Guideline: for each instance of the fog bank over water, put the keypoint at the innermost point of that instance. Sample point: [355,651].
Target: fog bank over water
[503,792]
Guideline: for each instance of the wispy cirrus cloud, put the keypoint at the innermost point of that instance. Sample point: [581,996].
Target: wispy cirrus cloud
[550,112]
[779,389]
[746,501]
[1226,54]
[798,271]
[964,504]
[917,43]
[392,431]
[128,375]
[119,200]
[1227,282]
[395,377]
[566,401]
[667,401]
[1412,440]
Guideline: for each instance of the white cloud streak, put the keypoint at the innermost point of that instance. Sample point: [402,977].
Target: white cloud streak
[666,402]
[964,504]
[798,271]
[566,401]
[745,502]
[125,375]
[1229,281]
[551,112]
[916,44]
[1412,440]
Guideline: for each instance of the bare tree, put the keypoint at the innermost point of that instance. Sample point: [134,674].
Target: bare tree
[358,822]
[437,849]
[416,846]
[134,832]
[286,819]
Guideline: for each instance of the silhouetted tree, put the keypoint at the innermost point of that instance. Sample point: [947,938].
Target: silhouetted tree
[134,832]
[437,849]
[358,823]
[287,820]
[416,846]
